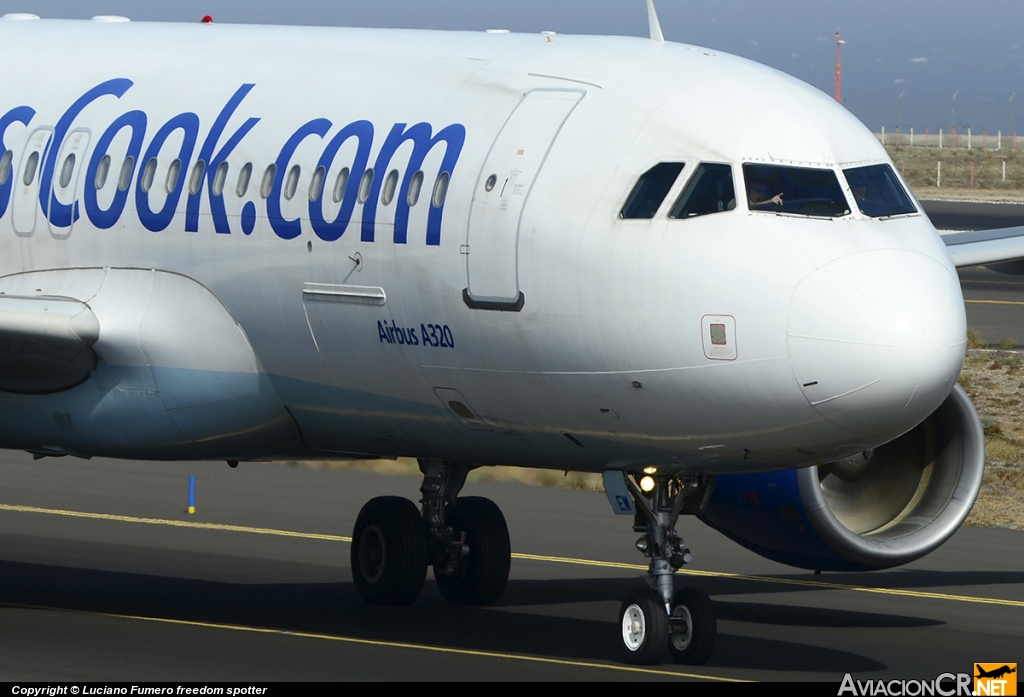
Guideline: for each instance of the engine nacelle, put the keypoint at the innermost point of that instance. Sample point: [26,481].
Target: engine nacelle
[873,511]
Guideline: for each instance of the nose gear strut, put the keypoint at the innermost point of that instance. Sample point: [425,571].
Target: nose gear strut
[654,618]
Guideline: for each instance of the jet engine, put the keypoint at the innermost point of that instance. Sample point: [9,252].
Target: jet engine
[881,508]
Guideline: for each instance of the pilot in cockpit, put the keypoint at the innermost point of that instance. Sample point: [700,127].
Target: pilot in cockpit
[759,195]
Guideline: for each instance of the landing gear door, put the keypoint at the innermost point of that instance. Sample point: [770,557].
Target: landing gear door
[502,190]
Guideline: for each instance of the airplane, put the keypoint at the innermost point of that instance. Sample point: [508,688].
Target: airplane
[995,672]
[676,267]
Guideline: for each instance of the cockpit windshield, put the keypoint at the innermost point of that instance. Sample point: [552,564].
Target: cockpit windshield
[878,191]
[794,191]
[709,191]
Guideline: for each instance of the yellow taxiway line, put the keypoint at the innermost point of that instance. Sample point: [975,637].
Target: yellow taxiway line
[994,302]
[806,583]
[387,644]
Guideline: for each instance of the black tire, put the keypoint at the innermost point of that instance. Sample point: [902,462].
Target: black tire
[692,628]
[643,627]
[389,552]
[483,574]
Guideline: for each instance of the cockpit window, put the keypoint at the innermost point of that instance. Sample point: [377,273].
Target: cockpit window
[794,190]
[650,190]
[710,190]
[878,191]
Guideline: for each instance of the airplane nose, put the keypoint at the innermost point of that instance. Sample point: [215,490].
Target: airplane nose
[877,339]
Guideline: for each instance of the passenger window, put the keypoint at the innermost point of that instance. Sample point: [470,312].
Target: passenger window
[878,191]
[292,182]
[650,191]
[244,175]
[5,167]
[67,170]
[124,179]
[196,180]
[172,176]
[387,193]
[710,190]
[364,185]
[340,184]
[415,186]
[219,178]
[794,190]
[316,186]
[148,174]
[30,169]
[440,190]
[102,172]
[267,185]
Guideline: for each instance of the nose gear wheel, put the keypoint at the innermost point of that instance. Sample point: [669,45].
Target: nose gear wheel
[691,627]
[644,626]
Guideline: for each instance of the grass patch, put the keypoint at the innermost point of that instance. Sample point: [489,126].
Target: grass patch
[919,166]
[974,339]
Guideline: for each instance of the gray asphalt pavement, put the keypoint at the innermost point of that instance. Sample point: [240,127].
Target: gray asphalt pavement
[973,215]
[994,301]
[143,591]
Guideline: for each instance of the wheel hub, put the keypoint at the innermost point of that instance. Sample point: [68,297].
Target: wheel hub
[373,554]
[680,627]
[633,627]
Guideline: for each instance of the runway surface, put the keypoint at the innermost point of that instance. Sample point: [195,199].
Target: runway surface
[973,215]
[994,301]
[103,576]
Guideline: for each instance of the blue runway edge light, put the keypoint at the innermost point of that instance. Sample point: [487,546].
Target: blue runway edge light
[192,493]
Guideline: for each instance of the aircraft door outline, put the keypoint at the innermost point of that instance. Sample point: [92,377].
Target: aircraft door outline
[65,181]
[26,196]
[502,192]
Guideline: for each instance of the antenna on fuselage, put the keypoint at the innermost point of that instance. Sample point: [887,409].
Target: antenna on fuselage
[839,68]
[652,20]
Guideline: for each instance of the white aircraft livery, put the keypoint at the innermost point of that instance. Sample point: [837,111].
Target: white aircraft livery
[689,272]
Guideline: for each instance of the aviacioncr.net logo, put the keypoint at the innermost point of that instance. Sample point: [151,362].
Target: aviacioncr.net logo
[945,685]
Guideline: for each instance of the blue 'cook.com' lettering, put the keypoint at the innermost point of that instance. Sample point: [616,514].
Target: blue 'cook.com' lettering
[200,156]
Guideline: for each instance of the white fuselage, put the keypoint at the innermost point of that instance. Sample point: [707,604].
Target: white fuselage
[843,333]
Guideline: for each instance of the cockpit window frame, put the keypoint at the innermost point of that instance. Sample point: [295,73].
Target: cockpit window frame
[839,194]
[663,187]
[694,180]
[894,180]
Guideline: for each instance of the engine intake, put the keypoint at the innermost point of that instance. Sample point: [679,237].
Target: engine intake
[880,509]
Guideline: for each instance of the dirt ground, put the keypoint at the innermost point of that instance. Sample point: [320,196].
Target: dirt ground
[994,379]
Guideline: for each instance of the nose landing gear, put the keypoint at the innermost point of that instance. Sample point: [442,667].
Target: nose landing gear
[656,617]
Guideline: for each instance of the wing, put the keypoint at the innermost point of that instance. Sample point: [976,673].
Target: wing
[45,343]
[985,246]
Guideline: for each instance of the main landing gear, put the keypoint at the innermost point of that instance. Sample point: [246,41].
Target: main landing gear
[464,539]
[652,618]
